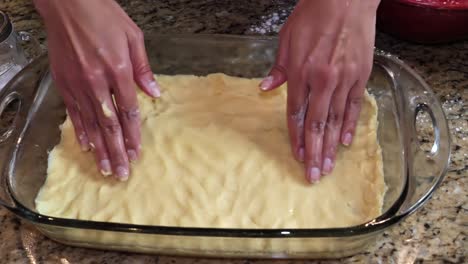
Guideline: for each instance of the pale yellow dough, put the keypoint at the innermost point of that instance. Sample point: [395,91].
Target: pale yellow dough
[216,154]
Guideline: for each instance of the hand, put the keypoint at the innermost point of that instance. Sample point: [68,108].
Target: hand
[325,54]
[96,55]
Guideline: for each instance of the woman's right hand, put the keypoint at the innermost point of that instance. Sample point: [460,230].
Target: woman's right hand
[97,54]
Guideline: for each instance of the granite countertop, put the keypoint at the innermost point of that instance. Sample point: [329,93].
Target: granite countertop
[434,234]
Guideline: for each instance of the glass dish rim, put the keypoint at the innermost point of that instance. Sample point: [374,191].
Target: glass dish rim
[379,223]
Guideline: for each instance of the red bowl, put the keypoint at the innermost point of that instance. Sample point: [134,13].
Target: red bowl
[424,21]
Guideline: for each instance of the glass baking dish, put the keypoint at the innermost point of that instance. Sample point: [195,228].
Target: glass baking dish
[411,174]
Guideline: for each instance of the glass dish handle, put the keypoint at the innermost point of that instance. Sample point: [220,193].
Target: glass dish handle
[28,99]
[428,167]
[10,98]
[6,141]
[425,169]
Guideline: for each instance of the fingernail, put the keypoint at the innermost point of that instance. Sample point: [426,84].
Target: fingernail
[266,83]
[300,154]
[132,155]
[121,173]
[154,89]
[105,167]
[347,139]
[327,166]
[314,174]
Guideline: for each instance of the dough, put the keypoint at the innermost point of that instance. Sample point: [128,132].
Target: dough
[216,154]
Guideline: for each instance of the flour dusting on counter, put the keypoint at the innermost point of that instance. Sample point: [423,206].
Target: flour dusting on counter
[271,23]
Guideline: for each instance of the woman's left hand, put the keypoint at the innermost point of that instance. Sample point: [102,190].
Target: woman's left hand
[325,54]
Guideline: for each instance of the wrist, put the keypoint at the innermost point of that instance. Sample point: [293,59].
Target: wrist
[338,5]
[43,7]
[372,4]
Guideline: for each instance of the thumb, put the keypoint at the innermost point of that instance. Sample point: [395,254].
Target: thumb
[275,78]
[142,73]
[278,74]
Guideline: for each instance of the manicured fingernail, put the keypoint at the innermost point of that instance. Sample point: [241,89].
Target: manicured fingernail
[327,166]
[105,167]
[266,83]
[121,173]
[132,155]
[347,139]
[314,174]
[154,89]
[84,142]
[300,154]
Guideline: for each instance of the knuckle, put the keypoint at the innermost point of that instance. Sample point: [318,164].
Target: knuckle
[355,102]
[92,125]
[132,140]
[367,68]
[93,75]
[99,148]
[112,129]
[72,108]
[349,124]
[101,52]
[121,75]
[119,158]
[327,72]
[334,118]
[143,68]
[132,113]
[297,114]
[279,68]
[351,69]
[311,61]
[314,158]
[315,127]
[95,93]
[323,71]
[110,125]
[138,34]
[90,77]
[121,68]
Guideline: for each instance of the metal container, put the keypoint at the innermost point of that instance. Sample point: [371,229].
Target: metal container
[12,56]
[411,174]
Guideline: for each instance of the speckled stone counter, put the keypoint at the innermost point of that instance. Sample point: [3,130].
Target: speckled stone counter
[434,234]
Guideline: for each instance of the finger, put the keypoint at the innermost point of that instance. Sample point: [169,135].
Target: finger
[296,111]
[275,78]
[111,130]
[353,109]
[128,112]
[322,82]
[96,142]
[142,73]
[74,114]
[333,127]
[278,74]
